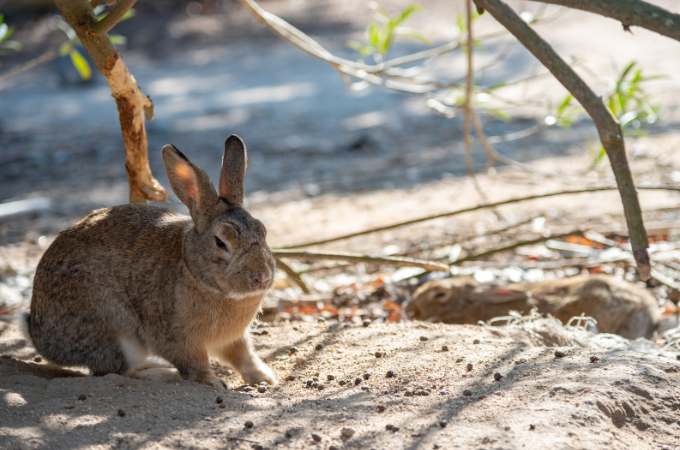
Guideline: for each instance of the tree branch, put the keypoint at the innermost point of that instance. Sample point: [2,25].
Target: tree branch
[608,128]
[353,257]
[114,16]
[630,13]
[132,104]
[458,212]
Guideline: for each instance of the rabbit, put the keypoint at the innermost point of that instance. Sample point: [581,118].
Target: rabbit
[132,282]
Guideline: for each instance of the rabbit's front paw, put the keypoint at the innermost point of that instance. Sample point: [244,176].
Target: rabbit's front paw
[212,380]
[258,373]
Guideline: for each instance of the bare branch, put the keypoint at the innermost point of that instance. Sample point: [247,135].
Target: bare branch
[608,128]
[353,257]
[131,102]
[458,212]
[114,16]
[630,13]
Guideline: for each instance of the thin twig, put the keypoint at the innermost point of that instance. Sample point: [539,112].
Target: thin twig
[293,275]
[28,65]
[469,209]
[608,128]
[113,17]
[515,245]
[385,260]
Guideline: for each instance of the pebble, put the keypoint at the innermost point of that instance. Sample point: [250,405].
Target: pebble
[475,342]
[445,348]
[469,367]
[366,323]
[346,433]
[248,424]
[330,377]
[467,393]
[497,376]
[290,378]
[560,354]
[424,338]
[378,354]
[392,428]
[37,359]
[318,347]
[294,431]
[594,359]
[532,427]
[121,413]
[292,350]
[316,437]
[443,423]
[366,376]
[219,400]
[390,374]
[82,397]
[261,389]
[342,382]
[380,408]
[357,381]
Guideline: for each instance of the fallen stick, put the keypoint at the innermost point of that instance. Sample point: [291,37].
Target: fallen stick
[384,260]
[461,211]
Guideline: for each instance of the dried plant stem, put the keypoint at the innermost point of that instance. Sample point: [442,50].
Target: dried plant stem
[353,257]
[461,211]
[515,245]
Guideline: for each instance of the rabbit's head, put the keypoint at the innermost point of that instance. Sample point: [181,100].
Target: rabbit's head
[226,250]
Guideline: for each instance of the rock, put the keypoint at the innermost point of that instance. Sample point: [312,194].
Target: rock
[618,306]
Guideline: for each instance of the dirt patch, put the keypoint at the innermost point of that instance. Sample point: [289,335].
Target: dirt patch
[383,386]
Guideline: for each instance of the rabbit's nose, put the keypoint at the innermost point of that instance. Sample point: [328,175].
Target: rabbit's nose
[260,280]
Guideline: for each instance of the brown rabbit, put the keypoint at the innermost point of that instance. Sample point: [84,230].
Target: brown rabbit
[133,281]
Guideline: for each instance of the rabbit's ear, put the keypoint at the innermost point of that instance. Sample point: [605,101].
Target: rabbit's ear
[233,172]
[191,185]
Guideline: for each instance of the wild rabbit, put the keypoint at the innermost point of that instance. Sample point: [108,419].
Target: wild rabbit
[133,281]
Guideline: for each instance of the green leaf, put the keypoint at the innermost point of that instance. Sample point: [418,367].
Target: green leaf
[564,104]
[407,12]
[601,153]
[117,39]
[81,65]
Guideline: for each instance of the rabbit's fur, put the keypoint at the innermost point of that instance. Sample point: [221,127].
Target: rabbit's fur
[133,281]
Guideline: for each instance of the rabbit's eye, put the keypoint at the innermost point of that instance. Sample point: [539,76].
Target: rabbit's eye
[220,243]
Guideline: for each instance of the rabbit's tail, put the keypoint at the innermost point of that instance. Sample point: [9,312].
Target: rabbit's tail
[24,322]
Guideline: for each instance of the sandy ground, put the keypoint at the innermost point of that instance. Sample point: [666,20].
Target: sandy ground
[313,142]
[452,387]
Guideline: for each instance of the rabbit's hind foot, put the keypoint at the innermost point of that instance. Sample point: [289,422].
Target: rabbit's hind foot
[142,365]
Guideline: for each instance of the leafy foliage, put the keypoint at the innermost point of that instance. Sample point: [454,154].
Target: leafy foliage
[628,101]
[383,30]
